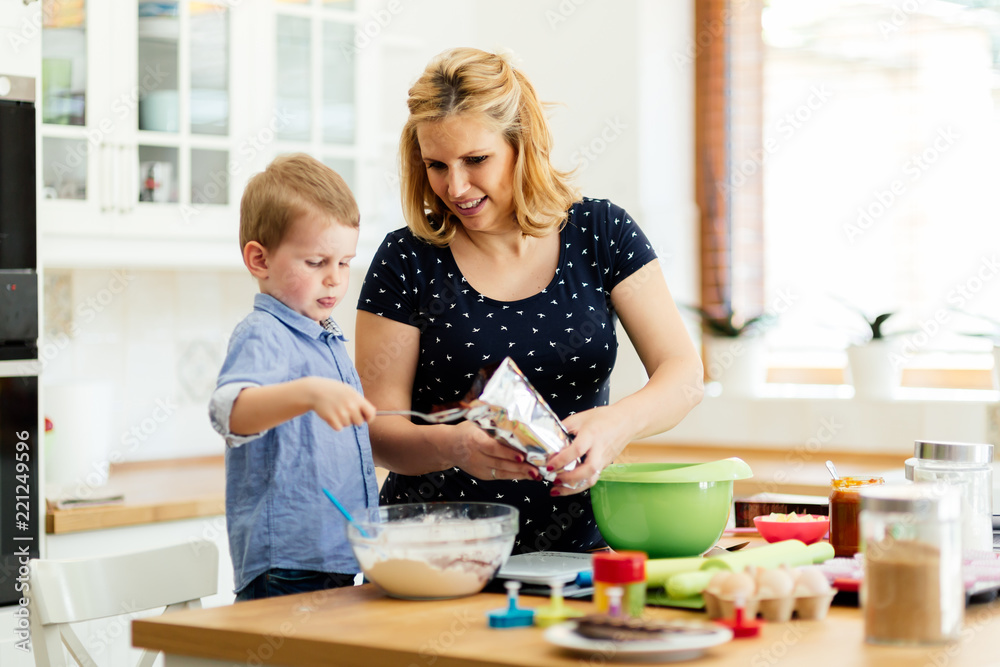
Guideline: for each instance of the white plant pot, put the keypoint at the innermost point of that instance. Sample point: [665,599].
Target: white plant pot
[872,371]
[996,366]
[739,365]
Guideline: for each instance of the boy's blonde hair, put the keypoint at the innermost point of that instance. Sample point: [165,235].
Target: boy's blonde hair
[290,186]
[486,86]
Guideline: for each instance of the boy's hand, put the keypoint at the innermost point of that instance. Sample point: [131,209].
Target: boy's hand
[338,404]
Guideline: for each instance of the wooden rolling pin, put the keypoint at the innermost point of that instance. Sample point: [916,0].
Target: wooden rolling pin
[684,577]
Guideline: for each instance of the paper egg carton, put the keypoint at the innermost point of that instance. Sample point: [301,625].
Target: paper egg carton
[775,594]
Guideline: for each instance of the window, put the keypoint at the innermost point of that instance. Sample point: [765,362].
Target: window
[871,175]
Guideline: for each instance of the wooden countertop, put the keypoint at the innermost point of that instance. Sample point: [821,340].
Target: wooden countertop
[190,488]
[360,626]
[154,491]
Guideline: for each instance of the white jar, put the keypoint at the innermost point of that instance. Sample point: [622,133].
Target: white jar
[968,467]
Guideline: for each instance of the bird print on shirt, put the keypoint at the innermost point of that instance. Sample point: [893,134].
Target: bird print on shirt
[559,337]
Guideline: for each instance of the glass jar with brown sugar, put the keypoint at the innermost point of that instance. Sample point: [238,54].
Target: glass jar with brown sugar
[845,507]
[912,591]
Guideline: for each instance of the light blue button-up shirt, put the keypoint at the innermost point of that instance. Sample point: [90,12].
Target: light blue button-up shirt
[276,513]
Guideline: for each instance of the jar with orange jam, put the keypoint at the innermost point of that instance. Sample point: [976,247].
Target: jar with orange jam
[845,507]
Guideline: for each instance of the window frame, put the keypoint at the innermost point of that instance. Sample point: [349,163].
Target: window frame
[731,223]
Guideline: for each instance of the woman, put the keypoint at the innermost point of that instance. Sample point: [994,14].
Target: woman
[501,258]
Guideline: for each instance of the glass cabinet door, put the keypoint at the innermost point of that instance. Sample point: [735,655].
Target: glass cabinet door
[315,80]
[135,104]
[64,99]
[209,67]
[64,62]
[183,56]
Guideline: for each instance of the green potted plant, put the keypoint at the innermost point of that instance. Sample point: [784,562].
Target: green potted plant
[735,355]
[872,363]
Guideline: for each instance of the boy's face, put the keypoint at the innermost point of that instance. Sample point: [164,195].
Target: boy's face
[310,268]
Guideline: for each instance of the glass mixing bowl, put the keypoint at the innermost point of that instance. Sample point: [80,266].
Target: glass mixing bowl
[433,551]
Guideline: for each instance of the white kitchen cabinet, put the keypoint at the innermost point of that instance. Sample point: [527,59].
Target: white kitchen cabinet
[21,30]
[156,113]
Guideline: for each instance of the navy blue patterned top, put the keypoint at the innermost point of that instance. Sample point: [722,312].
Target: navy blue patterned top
[562,338]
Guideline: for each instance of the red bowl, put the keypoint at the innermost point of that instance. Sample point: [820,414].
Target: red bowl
[804,531]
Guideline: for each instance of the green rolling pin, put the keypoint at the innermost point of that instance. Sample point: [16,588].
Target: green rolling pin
[789,552]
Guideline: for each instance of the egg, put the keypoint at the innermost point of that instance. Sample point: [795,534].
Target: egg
[777,583]
[811,581]
[715,583]
[737,585]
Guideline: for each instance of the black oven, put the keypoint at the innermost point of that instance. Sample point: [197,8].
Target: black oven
[18,196]
[21,513]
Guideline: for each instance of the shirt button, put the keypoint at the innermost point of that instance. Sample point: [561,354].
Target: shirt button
[370,470]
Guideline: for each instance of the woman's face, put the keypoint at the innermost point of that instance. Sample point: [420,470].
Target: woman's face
[471,168]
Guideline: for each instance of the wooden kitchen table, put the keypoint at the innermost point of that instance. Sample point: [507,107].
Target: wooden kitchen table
[361,627]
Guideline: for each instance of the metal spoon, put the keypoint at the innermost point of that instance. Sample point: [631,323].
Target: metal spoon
[719,551]
[833,469]
[441,417]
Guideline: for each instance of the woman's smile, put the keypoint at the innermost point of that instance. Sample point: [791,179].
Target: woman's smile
[471,207]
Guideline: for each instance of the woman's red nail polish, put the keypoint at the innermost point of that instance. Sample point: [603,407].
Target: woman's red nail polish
[554,493]
[557,482]
[550,469]
[534,475]
[520,459]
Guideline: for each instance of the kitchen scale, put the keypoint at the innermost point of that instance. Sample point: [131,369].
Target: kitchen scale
[537,570]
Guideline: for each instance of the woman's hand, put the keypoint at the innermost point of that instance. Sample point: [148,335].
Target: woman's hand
[481,455]
[599,435]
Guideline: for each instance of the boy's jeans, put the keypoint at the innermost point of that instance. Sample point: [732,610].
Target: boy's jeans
[279,581]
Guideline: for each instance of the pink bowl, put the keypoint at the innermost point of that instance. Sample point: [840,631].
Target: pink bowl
[804,531]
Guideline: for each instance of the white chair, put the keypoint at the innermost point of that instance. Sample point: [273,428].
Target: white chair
[73,590]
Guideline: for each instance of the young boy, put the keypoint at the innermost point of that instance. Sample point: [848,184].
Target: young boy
[288,400]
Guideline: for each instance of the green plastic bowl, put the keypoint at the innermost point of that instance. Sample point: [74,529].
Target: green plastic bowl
[665,509]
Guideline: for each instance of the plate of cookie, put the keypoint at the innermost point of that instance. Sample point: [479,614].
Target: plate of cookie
[637,639]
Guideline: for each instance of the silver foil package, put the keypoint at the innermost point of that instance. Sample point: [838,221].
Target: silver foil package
[510,409]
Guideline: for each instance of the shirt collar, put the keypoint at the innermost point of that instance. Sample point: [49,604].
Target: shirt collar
[295,320]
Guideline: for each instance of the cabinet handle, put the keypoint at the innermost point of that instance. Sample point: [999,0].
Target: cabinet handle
[128,173]
[108,177]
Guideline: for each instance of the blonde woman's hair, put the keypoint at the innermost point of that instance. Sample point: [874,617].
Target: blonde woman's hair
[289,187]
[487,87]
